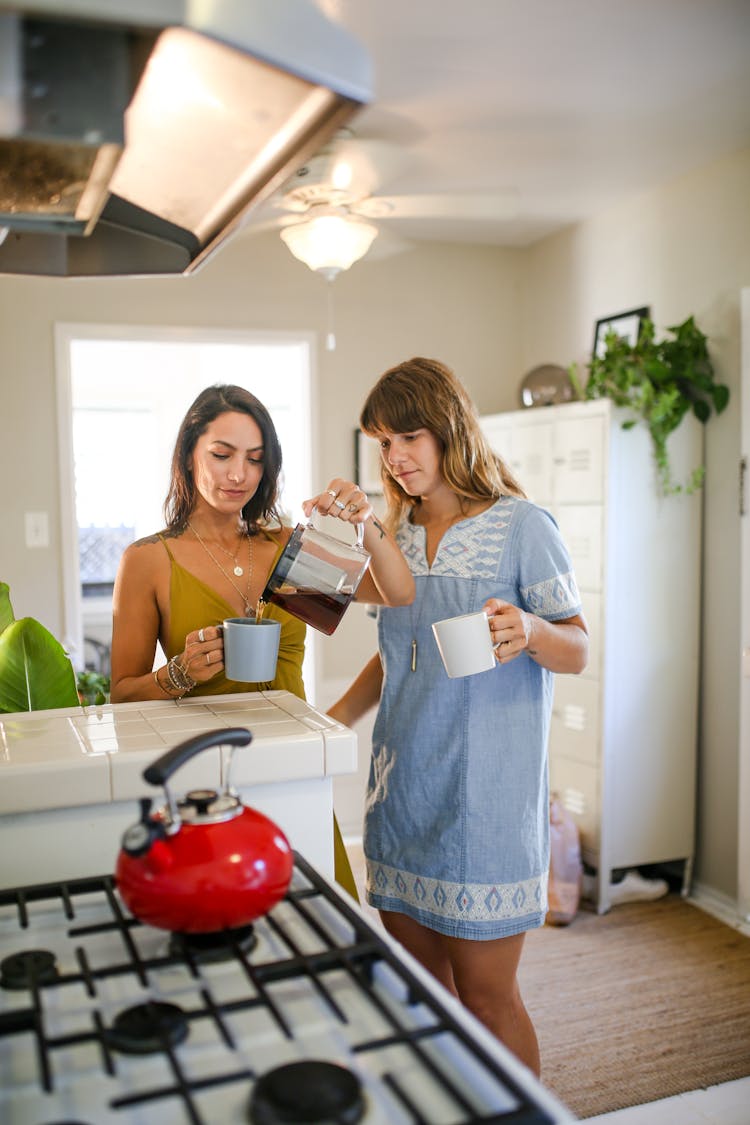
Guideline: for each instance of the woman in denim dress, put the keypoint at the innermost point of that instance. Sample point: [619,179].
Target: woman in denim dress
[456,835]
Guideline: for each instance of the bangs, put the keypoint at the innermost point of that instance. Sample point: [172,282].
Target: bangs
[393,408]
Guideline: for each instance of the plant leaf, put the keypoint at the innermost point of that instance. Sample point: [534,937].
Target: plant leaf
[720,395]
[7,615]
[35,672]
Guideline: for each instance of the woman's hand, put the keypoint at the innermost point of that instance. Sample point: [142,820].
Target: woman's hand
[203,657]
[343,499]
[559,646]
[511,629]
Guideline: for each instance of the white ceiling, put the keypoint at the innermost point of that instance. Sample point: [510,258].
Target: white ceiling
[547,110]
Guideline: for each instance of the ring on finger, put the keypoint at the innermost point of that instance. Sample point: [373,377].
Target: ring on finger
[208,658]
[339,505]
[201,636]
[352,507]
[332,493]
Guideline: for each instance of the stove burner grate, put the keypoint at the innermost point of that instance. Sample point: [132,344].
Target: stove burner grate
[213,947]
[28,968]
[315,936]
[312,1090]
[147,1028]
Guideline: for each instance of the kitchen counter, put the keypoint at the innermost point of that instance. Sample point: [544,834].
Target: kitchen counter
[70,779]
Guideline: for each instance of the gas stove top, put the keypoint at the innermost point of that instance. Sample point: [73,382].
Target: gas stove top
[309,1015]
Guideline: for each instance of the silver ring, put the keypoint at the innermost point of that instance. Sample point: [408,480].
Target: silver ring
[201,636]
[332,493]
[339,504]
[208,658]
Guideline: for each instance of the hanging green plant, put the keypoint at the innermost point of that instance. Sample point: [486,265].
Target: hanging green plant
[659,382]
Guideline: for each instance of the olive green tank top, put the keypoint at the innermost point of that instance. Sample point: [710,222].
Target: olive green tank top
[194,605]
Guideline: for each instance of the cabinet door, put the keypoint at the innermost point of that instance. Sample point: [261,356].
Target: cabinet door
[582,529]
[577,786]
[497,429]
[578,460]
[531,459]
[574,730]
[592,610]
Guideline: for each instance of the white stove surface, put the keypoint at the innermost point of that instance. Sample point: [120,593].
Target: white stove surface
[320,983]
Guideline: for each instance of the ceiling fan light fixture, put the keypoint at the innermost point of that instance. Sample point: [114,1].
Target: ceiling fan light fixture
[329,243]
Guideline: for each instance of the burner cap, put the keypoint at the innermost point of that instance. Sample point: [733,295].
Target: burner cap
[148,1028]
[214,946]
[307,1091]
[18,970]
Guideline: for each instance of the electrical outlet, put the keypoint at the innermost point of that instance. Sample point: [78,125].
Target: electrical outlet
[37,529]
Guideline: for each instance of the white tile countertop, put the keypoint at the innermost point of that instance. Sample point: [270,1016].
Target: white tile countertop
[91,755]
[70,779]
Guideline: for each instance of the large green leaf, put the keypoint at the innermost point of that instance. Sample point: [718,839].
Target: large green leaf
[6,609]
[35,672]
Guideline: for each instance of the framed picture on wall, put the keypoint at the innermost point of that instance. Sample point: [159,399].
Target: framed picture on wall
[625,324]
[367,464]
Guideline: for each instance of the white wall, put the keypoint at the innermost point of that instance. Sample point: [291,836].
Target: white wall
[682,249]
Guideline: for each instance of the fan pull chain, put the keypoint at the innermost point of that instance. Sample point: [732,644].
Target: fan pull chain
[331,333]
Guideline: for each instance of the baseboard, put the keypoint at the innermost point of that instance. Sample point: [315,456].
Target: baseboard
[719,905]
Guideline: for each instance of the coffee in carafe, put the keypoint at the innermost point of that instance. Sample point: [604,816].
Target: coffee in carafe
[317,576]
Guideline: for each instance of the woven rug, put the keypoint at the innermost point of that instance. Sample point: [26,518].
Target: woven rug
[647,1001]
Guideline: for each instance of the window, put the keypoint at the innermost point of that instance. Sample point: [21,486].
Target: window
[123,393]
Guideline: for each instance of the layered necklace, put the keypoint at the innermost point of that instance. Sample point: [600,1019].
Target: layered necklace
[238,570]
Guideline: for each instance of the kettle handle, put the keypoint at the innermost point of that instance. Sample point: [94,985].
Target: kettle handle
[359,528]
[160,771]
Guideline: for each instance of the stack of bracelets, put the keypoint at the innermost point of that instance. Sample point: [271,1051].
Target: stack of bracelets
[180,681]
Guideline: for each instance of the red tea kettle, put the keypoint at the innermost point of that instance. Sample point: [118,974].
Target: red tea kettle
[204,863]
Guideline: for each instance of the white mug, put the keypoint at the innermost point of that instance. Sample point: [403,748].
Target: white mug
[465,644]
[251,649]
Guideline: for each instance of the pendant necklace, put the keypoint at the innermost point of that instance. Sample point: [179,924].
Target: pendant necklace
[415,625]
[238,570]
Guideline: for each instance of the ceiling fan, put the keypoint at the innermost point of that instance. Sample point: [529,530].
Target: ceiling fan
[331,210]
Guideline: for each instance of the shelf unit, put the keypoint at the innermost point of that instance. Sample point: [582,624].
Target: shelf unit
[623,736]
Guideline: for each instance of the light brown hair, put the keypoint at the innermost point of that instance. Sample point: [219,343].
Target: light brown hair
[425,394]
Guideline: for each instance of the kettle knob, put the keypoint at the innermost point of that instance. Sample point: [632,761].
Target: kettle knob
[201,799]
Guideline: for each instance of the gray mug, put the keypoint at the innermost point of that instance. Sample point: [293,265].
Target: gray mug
[251,648]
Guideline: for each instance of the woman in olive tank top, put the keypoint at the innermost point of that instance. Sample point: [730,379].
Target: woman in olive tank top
[222,538]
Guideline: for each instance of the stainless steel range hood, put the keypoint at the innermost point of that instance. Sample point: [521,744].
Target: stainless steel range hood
[135,136]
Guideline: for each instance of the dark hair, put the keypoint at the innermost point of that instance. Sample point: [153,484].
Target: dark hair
[208,406]
[425,394]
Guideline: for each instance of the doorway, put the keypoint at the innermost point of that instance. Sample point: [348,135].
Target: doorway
[122,393]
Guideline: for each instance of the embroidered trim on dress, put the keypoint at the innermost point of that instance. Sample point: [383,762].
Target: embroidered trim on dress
[553,597]
[472,902]
[472,554]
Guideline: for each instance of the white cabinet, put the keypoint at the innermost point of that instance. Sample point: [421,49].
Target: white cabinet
[623,735]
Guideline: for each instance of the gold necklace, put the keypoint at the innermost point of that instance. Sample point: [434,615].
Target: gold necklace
[246,596]
[237,569]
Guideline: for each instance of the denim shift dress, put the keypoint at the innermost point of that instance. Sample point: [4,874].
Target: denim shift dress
[456,831]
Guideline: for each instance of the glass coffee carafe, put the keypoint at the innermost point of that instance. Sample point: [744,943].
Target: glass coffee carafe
[317,576]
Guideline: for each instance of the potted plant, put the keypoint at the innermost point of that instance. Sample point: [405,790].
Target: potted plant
[35,670]
[659,382]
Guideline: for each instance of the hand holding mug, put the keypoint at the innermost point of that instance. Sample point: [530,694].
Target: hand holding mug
[510,629]
[203,656]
